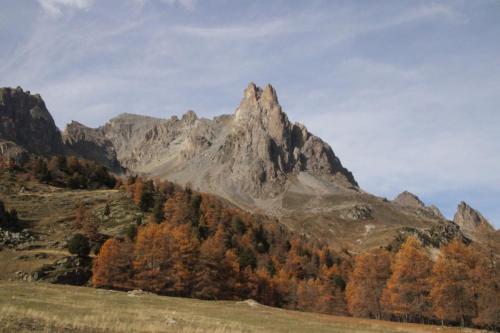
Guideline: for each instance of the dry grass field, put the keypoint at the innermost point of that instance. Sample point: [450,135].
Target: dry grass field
[38,307]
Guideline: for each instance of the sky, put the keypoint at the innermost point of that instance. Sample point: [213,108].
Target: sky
[407,93]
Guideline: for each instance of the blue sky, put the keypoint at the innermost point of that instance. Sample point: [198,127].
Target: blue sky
[406,92]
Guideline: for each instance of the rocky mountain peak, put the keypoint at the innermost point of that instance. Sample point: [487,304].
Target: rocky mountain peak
[470,219]
[409,199]
[190,117]
[260,105]
[271,148]
[23,119]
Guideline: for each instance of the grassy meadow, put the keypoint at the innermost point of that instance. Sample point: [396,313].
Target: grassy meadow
[39,307]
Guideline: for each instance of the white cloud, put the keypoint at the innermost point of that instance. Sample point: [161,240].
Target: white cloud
[54,7]
[242,31]
[186,4]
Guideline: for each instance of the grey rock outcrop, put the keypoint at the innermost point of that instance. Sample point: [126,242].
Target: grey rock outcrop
[435,236]
[26,125]
[471,220]
[91,144]
[411,202]
[436,211]
[15,239]
[357,212]
[71,270]
[408,199]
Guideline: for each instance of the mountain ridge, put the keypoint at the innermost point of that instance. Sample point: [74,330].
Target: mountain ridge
[256,158]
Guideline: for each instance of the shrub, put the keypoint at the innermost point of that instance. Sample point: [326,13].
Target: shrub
[79,245]
[131,231]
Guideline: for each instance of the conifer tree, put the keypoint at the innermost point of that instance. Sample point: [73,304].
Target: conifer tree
[364,290]
[407,292]
[453,289]
[112,268]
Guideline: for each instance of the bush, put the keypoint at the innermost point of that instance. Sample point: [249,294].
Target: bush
[8,219]
[247,258]
[131,231]
[79,245]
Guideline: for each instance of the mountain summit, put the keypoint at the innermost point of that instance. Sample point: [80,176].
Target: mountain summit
[471,220]
[26,125]
[246,157]
[255,158]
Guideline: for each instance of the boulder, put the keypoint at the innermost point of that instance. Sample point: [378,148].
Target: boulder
[71,270]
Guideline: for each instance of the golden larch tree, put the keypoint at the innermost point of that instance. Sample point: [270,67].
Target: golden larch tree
[407,293]
[453,290]
[112,268]
[364,289]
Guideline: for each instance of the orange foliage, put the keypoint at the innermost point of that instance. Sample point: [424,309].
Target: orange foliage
[371,271]
[407,292]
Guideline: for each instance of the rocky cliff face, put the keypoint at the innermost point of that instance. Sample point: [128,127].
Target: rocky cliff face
[470,220]
[265,145]
[26,125]
[90,143]
[246,157]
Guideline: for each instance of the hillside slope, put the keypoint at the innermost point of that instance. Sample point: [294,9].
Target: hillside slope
[48,213]
[34,307]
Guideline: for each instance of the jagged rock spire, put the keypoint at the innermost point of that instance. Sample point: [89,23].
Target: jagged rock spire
[470,219]
[409,199]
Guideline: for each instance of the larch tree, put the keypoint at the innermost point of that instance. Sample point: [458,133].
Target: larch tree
[364,289]
[185,248]
[487,279]
[210,278]
[177,209]
[453,290]
[153,257]
[138,190]
[112,268]
[407,293]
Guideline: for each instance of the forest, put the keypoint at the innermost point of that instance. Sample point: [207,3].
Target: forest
[195,244]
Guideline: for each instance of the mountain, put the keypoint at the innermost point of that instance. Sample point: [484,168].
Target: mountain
[92,144]
[470,220]
[255,158]
[26,125]
[249,157]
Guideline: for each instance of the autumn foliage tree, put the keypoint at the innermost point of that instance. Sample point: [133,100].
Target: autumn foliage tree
[453,290]
[112,268]
[486,276]
[364,290]
[407,293]
[196,245]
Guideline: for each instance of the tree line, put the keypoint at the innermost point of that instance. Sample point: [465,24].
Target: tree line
[61,171]
[459,287]
[196,245]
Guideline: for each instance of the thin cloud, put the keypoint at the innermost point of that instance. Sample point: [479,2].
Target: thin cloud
[255,30]
[55,7]
[185,4]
